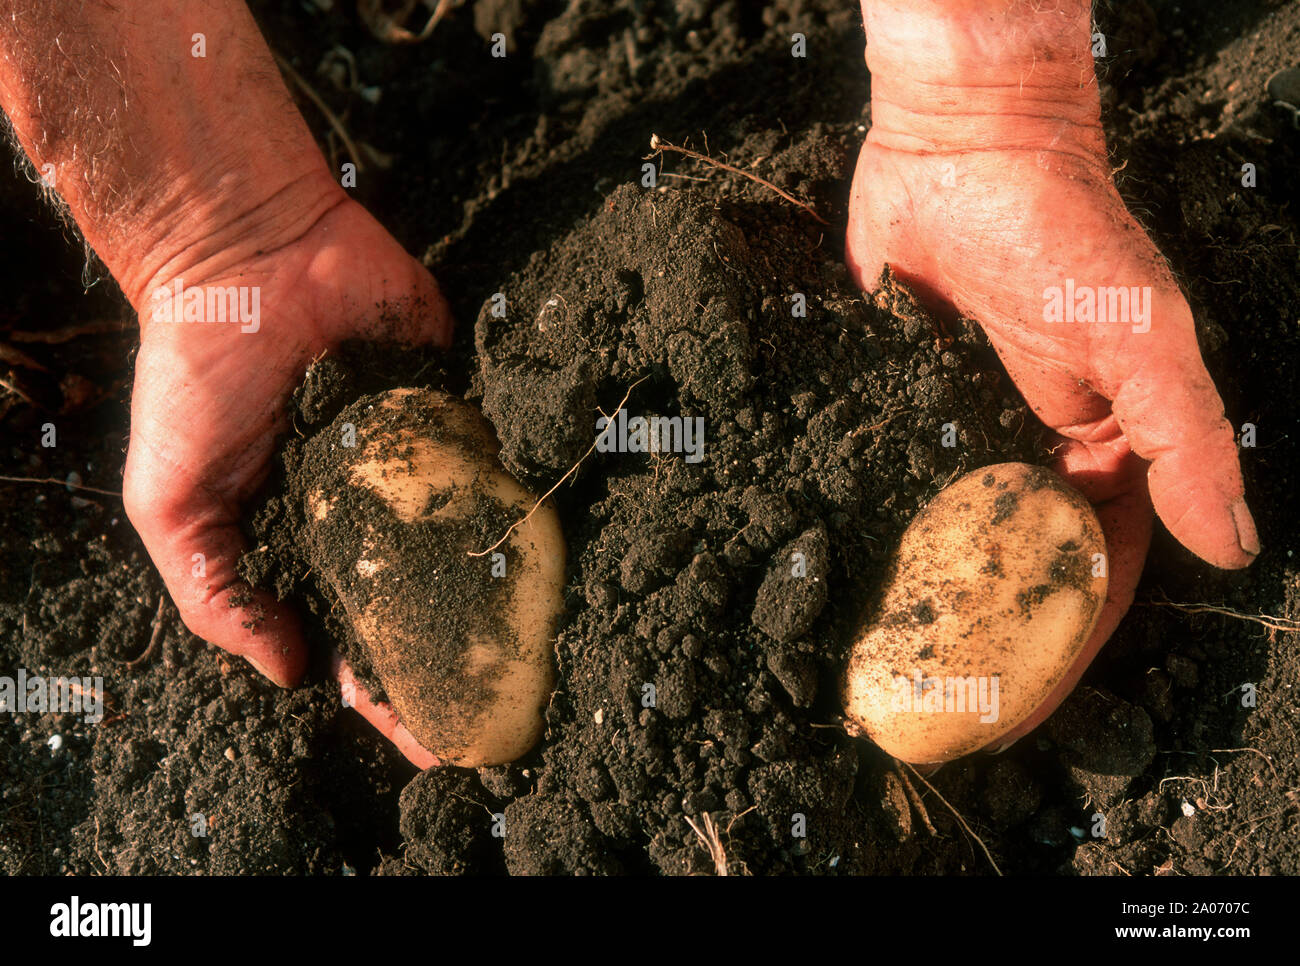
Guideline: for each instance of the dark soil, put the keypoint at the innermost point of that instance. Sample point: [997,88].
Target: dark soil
[694,678]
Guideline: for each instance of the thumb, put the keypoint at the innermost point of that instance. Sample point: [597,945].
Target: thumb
[381,716]
[1172,415]
[195,543]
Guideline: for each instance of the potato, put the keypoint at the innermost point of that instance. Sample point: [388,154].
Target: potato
[462,645]
[992,593]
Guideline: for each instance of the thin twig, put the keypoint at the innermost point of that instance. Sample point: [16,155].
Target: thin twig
[969,830]
[708,837]
[68,332]
[159,625]
[6,384]
[330,116]
[572,469]
[918,806]
[53,481]
[387,29]
[659,145]
[1272,623]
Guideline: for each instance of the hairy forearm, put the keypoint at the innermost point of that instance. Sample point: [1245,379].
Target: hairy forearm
[1024,66]
[170,162]
[936,36]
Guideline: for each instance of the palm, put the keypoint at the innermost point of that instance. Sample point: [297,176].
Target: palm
[209,405]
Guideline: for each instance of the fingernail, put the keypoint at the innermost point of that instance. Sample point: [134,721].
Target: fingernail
[1247,537]
[257,665]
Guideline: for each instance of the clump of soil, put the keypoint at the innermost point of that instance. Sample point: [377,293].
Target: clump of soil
[696,678]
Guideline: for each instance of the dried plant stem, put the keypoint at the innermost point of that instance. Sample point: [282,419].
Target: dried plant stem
[708,836]
[13,388]
[330,116]
[969,830]
[1272,623]
[572,469]
[917,805]
[659,145]
[53,481]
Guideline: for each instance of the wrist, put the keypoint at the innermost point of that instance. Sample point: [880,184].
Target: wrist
[952,75]
[213,234]
[176,150]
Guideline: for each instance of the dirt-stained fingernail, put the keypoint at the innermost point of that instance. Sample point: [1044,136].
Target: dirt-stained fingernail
[1247,536]
[261,669]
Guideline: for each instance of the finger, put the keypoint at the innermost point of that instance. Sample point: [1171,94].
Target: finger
[1164,402]
[1172,415]
[194,542]
[1125,517]
[382,716]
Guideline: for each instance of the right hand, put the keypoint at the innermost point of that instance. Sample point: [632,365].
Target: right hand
[983,184]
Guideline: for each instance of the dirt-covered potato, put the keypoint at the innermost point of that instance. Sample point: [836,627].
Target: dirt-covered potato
[403,487]
[994,589]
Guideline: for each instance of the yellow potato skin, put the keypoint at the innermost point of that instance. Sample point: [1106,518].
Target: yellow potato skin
[993,591]
[475,695]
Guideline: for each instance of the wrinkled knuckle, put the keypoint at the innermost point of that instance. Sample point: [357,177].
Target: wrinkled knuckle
[138,500]
[148,505]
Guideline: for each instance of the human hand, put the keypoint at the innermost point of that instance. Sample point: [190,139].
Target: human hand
[186,169]
[209,405]
[984,184]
